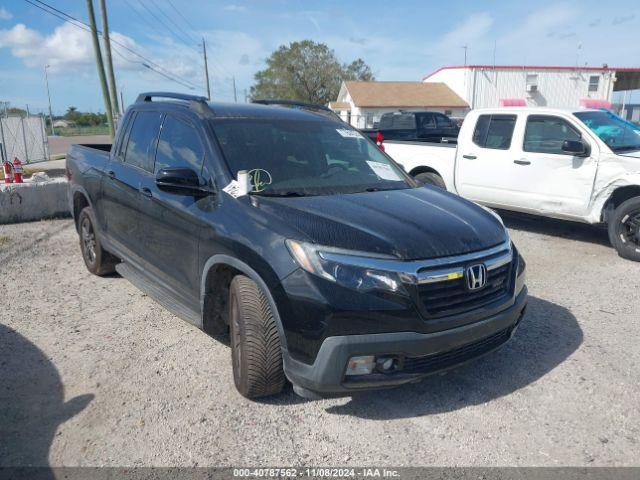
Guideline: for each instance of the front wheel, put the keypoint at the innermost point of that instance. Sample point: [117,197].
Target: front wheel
[624,229]
[255,344]
[430,178]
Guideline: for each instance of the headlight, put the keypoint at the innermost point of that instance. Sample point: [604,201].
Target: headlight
[345,267]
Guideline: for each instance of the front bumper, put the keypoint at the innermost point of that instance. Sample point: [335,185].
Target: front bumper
[429,353]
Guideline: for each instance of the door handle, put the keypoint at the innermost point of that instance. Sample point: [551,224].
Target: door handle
[111,174]
[469,157]
[522,162]
[146,192]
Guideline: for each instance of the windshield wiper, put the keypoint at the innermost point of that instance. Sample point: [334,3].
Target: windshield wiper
[626,149]
[281,194]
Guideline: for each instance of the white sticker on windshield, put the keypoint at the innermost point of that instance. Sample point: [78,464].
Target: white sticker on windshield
[384,171]
[233,189]
[345,132]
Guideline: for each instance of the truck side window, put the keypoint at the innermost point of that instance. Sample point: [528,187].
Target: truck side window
[494,131]
[179,146]
[142,140]
[427,121]
[546,134]
[442,121]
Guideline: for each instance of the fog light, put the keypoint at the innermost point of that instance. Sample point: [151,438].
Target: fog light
[385,364]
[360,365]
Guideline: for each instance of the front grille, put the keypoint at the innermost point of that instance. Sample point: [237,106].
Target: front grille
[451,297]
[440,361]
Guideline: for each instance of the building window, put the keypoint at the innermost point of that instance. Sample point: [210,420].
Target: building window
[594,81]
[448,113]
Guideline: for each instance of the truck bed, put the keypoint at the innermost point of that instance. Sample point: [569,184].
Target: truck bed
[413,156]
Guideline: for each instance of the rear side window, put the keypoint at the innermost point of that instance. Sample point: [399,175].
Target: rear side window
[179,146]
[494,131]
[545,134]
[398,121]
[142,140]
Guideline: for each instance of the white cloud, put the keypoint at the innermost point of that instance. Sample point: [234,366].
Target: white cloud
[5,14]
[235,8]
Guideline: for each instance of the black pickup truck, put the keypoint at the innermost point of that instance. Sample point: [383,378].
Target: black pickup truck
[330,268]
[417,126]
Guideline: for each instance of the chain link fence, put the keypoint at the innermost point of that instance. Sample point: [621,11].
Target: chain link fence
[23,137]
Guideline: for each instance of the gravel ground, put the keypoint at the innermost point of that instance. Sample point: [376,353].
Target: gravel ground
[93,372]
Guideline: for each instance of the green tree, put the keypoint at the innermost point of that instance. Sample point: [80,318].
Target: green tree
[306,71]
[72,114]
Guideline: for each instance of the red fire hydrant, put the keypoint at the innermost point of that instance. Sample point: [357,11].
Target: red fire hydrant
[8,174]
[17,170]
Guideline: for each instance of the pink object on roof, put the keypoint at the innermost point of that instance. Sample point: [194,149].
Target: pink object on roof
[593,103]
[513,102]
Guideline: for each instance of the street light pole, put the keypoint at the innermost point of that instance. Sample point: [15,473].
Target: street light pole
[46,81]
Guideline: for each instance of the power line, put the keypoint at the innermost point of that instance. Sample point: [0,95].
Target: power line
[180,29]
[163,23]
[181,15]
[82,25]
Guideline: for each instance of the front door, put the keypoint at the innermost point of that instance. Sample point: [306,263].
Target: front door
[171,220]
[550,179]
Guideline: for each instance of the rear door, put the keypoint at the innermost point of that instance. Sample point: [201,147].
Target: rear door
[484,163]
[125,173]
[171,221]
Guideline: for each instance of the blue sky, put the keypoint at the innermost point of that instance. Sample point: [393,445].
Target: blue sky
[401,40]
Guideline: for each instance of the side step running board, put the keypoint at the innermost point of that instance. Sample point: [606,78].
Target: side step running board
[160,294]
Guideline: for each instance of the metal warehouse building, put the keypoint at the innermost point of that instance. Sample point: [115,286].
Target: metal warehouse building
[544,86]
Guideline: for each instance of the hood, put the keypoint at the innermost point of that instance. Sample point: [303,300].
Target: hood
[417,223]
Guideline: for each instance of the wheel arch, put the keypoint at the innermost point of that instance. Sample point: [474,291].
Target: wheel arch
[221,264]
[79,200]
[424,169]
[617,197]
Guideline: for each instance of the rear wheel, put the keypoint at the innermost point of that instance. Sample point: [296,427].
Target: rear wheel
[255,344]
[97,260]
[624,229]
[430,178]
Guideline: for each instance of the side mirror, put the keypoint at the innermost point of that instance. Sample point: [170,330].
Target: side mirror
[575,147]
[181,181]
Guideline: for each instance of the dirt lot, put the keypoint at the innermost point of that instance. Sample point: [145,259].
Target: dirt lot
[93,372]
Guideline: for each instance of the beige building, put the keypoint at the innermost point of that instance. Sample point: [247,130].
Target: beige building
[362,103]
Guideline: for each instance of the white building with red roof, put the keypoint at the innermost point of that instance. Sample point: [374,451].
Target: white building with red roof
[534,85]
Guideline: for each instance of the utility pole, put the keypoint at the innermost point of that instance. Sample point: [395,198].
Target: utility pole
[122,98]
[100,67]
[107,53]
[206,69]
[46,81]
[235,95]
[465,54]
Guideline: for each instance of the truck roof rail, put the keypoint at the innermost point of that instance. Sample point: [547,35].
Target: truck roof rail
[148,96]
[321,109]
[294,103]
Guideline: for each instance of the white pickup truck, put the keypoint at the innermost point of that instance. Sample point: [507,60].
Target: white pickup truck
[581,165]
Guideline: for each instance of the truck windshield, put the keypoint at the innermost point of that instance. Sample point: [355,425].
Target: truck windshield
[619,135]
[296,158]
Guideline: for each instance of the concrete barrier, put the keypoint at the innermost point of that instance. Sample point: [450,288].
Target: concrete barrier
[22,202]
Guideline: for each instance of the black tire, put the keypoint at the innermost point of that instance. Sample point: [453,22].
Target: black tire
[97,260]
[430,178]
[624,229]
[255,344]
